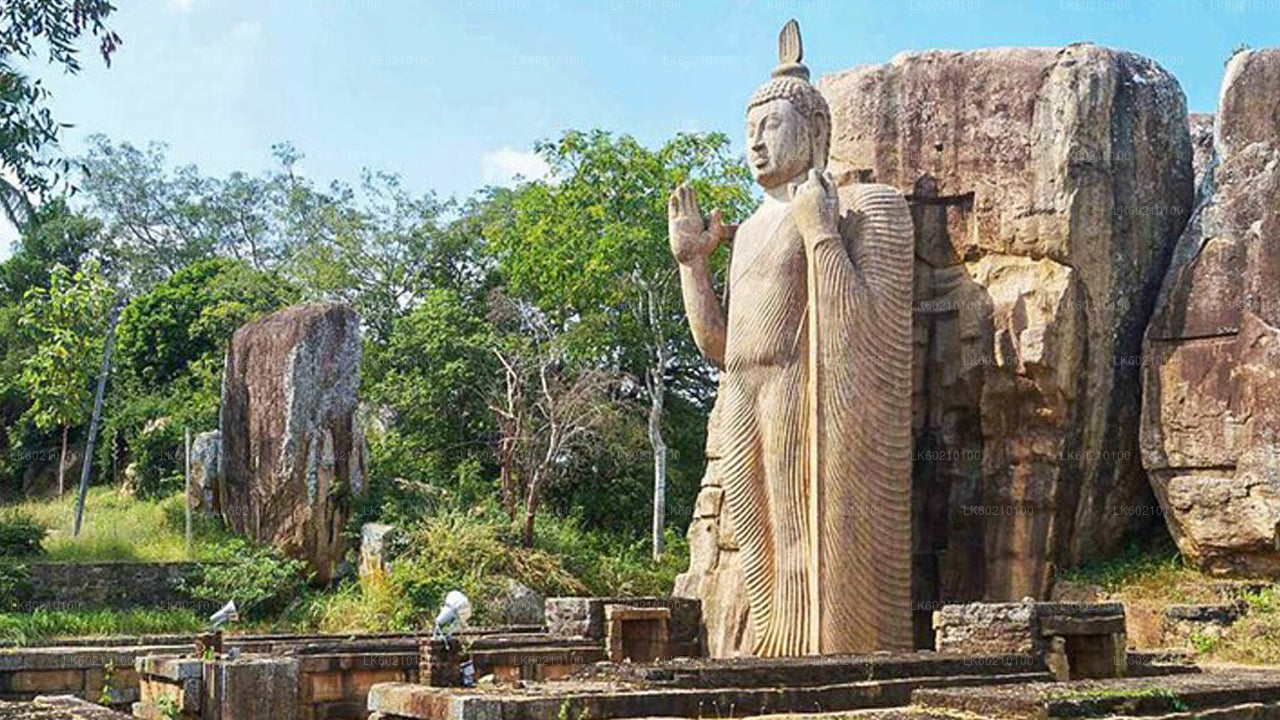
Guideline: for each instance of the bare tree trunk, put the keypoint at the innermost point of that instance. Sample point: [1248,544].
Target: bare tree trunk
[62,462]
[530,511]
[526,533]
[657,407]
[657,392]
[508,499]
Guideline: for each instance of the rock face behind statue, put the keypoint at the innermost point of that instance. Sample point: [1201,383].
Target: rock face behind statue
[1211,415]
[292,448]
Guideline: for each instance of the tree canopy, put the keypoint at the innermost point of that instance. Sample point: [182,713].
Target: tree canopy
[30,29]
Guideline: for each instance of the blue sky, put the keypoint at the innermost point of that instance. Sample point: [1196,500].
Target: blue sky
[453,93]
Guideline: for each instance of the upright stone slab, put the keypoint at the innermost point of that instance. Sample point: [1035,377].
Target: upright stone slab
[292,448]
[1211,412]
[375,542]
[206,449]
[251,688]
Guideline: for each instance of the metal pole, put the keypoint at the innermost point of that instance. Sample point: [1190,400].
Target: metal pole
[87,465]
[186,473]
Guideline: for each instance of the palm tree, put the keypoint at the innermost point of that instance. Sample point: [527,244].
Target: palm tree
[14,204]
[23,130]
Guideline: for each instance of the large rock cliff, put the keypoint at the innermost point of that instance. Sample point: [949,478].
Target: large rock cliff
[1211,410]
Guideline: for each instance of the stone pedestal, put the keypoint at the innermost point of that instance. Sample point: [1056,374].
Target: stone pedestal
[1075,640]
[636,634]
[585,617]
[251,688]
[247,688]
[170,687]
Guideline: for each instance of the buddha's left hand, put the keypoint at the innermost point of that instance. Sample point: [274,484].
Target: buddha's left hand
[815,208]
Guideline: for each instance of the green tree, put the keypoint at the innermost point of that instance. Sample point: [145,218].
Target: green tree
[53,236]
[171,342]
[378,249]
[431,378]
[67,321]
[27,127]
[590,250]
[190,317]
[156,218]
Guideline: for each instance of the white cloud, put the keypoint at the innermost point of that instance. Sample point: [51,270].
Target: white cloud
[239,48]
[501,167]
[247,30]
[181,5]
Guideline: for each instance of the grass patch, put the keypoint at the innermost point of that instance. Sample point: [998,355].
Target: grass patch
[46,626]
[1155,573]
[118,528]
[1255,638]
[473,550]
[1154,577]
[1105,694]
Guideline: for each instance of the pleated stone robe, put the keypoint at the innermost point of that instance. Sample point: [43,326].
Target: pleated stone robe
[815,427]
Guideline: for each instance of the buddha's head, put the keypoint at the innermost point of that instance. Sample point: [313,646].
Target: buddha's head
[788,122]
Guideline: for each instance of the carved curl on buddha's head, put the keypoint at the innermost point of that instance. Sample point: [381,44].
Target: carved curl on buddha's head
[788,121]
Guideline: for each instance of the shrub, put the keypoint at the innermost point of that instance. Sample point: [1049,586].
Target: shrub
[20,536]
[473,552]
[260,580]
[15,585]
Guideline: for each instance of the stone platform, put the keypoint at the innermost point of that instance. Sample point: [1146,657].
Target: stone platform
[57,708]
[1226,694]
[712,688]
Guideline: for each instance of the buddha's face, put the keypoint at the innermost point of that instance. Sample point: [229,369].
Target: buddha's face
[778,143]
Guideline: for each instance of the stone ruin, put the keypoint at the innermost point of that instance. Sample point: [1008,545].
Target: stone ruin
[1093,332]
[292,453]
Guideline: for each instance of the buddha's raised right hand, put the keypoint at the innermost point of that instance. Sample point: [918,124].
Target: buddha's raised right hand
[691,239]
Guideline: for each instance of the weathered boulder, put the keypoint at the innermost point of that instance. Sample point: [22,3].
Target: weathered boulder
[1048,187]
[292,449]
[1211,403]
[203,490]
[518,604]
[376,540]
